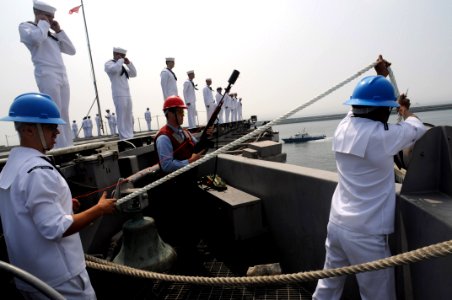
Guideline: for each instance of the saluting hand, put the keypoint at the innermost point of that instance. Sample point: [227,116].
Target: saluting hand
[43,17]
[55,26]
[126,61]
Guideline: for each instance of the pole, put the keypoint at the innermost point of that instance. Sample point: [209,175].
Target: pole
[92,68]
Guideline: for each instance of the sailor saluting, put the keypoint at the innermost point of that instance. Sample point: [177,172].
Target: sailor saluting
[119,70]
[36,207]
[46,41]
[168,79]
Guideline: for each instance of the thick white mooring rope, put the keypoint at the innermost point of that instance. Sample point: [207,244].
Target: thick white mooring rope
[241,139]
[432,251]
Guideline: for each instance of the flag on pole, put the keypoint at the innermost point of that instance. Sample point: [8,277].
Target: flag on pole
[74,10]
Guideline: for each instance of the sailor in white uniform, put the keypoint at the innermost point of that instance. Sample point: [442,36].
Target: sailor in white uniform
[74,129]
[363,204]
[46,41]
[227,107]
[218,97]
[168,79]
[239,110]
[85,127]
[190,98]
[233,107]
[120,69]
[209,100]
[90,126]
[37,212]
[110,121]
[147,117]
[114,123]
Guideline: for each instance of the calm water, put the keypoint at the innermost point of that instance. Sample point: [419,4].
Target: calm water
[318,154]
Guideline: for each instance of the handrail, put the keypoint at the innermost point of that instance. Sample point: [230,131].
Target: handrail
[32,280]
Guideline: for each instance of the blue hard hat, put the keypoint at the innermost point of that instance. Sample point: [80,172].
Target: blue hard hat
[373,91]
[34,108]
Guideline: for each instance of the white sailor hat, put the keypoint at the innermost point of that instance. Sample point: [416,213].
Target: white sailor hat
[119,50]
[190,72]
[41,5]
[169,59]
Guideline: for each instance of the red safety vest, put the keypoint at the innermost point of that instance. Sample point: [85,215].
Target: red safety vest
[181,149]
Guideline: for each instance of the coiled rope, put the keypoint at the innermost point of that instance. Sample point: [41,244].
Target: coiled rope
[241,139]
[432,251]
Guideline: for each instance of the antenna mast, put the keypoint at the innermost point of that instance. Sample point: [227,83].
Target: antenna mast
[92,69]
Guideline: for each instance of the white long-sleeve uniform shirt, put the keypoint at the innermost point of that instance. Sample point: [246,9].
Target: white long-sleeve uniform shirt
[74,129]
[147,115]
[208,97]
[45,51]
[119,74]
[209,101]
[36,210]
[218,97]
[168,82]
[119,80]
[364,199]
[50,72]
[190,100]
[189,92]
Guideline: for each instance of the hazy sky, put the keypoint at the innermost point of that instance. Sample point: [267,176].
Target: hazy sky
[288,51]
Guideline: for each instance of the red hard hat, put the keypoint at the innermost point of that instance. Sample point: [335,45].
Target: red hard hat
[173,101]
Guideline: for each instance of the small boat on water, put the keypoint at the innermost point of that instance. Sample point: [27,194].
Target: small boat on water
[302,137]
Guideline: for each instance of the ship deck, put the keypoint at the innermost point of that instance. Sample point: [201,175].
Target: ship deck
[210,260]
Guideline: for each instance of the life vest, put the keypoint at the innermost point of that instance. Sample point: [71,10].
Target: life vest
[182,149]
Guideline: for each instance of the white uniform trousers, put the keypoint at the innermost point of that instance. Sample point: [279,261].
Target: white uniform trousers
[210,111]
[221,116]
[112,127]
[149,124]
[124,119]
[191,114]
[344,248]
[227,111]
[78,287]
[233,115]
[85,132]
[57,87]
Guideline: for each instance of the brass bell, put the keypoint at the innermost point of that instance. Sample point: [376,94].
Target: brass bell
[143,248]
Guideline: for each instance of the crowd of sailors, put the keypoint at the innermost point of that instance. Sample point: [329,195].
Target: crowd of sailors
[46,41]
[231,108]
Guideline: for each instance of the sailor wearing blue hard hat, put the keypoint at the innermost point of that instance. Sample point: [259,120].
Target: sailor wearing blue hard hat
[36,207]
[41,112]
[363,203]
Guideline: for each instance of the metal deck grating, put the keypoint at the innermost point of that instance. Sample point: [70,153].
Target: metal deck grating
[175,291]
